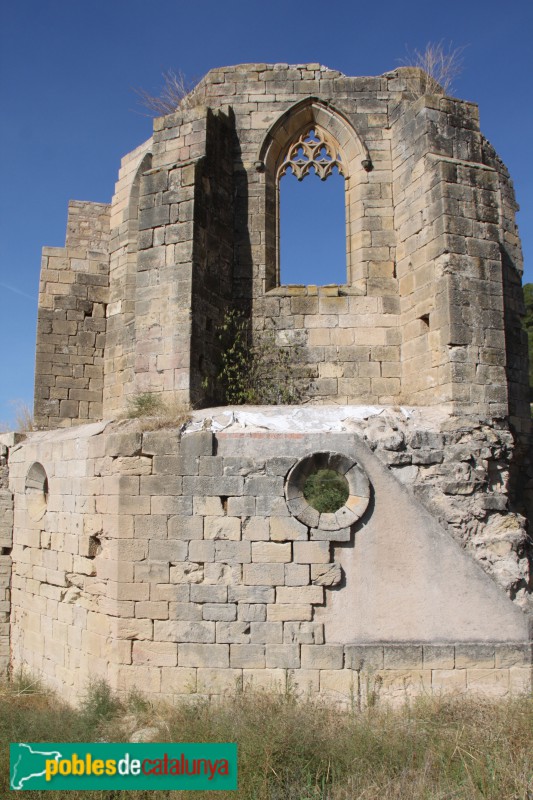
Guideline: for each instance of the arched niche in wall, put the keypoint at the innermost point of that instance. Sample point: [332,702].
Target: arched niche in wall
[36,491]
[312,135]
[132,212]
[132,217]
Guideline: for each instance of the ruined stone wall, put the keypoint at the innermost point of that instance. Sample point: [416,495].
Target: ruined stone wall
[212,275]
[73,294]
[194,232]
[6,544]
[179,563]
[430,221]
[58,602]
[119,353]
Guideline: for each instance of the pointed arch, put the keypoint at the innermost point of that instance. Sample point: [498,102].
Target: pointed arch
[283,136]
[132,211]
[306,113]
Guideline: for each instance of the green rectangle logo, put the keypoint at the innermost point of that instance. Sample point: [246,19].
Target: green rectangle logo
[63,766]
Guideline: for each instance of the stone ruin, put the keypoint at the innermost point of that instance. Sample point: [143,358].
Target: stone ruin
[188,560]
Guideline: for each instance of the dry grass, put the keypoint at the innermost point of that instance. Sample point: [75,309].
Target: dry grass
[175,88]
[442,64]
[154,413]
[438,749]
[23,419]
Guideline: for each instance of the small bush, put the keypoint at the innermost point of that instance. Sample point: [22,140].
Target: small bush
[256,372]
[145,404]
[326,490]
[99,704]
[156,413]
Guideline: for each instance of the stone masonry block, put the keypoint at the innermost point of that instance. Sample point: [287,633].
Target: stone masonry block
[448,681]
[251,594]
[220,612]
[255,529]
[251,656]
[185,528]
[233,632]
[178,680]
[491,682]
[161,443]
[311,552]
[183,631]
[303,633]
[304,682]
[438,656]
[153,571]
[520,680]
[201,550]
[187,572]
[123,444]
[322,656]
[289,612]
[266,632]
[203,655]
[476,655]
[363,657]
[233,552]
[269,680]
[166,504]
[191,612]
[270,552]
[513,655]
[264,574]
[169,550]
[152,609]
[241,506]
[209,486]
[285,656]
[286,529]
[222,528]
[300,594]
[199,443]
[342,682]
[252,612]
[219,682]
[402,656]
[209,594]
[160,654]
[210,506]
[222,573]
[131,628]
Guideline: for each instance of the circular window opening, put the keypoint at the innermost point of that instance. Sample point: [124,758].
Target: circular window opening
[36,490]
[326,491]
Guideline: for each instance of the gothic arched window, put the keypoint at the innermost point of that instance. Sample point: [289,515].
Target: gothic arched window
[312,211]
[312,140]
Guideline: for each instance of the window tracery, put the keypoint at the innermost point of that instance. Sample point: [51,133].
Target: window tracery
[314,149]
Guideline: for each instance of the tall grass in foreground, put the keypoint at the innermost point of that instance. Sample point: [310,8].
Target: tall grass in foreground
[439,749]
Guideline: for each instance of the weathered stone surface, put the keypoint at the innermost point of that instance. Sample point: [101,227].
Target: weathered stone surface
[186,558]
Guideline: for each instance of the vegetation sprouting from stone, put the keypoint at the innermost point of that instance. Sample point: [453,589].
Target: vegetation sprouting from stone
[255,372]
[441,63]
[326,490]
[175,88]
[23,419]
[528,325]
[290,749]
[155,413]
[144,404]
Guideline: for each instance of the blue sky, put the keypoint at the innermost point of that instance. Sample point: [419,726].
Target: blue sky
[68,70]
